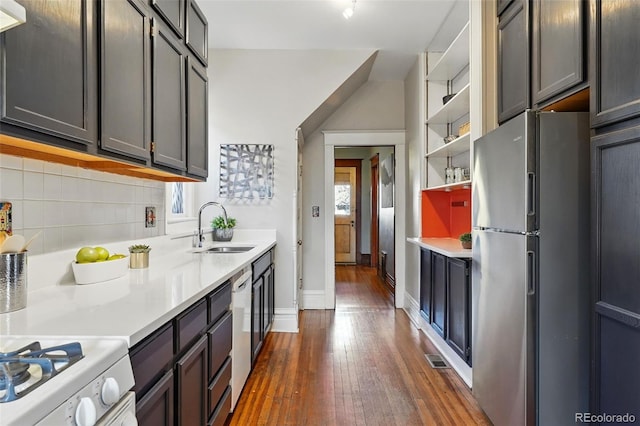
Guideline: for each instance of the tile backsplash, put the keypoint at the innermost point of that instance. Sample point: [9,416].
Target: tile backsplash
[73,206]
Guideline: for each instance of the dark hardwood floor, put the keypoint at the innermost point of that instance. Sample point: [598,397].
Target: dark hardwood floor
[362,364]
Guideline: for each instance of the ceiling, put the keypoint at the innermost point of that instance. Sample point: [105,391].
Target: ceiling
[399,29]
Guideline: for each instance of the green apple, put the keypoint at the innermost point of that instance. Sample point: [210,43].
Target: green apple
[103,253]
[116,256]
[86,255]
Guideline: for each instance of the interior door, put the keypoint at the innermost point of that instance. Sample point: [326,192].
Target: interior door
[345,214]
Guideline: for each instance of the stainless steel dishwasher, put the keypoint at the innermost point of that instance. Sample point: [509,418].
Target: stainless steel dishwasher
[241,351]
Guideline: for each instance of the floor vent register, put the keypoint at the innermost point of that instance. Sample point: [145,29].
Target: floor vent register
[436,361]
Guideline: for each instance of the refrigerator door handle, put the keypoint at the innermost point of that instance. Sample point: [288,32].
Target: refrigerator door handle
[531,272]
[531,193]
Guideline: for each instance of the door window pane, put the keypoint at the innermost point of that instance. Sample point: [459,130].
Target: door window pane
[343,200]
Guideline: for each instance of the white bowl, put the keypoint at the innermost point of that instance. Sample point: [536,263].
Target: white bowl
[95,272]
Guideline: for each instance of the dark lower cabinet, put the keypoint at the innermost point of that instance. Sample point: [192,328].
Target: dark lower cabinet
[439,293]
[126,78]
[156,408]
[191,379]
[513,61]
[445,299]
[616,272]
[558,47]
[615,47]
[169,99]
[425,284]
[48,73]
[182,371]
[263,301]
[458,307]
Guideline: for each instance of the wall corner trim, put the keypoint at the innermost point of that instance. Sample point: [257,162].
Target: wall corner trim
[285,320]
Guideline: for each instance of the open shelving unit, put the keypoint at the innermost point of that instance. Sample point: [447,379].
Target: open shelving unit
[446,206]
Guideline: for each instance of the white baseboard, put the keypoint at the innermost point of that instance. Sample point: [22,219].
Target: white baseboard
[313,299]
[412,308]
[285,320]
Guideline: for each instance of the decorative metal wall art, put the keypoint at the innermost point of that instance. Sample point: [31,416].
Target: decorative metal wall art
[246,171]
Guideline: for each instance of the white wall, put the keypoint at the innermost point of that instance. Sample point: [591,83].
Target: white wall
[377,105]
[415,163]
[73,207]
[262,96]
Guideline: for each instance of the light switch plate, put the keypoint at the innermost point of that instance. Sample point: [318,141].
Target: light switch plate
[5,217]
[150,217]
[315,211]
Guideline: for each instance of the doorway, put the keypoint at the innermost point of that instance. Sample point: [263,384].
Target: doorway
[348,210]
[396,140]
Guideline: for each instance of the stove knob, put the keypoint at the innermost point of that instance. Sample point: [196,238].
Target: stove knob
[86,412]
[110,391]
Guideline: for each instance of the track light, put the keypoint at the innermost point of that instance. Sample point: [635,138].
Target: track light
[348,12]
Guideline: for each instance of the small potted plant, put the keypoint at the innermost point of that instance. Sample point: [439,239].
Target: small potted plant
[465,240]
[223,228]
[139,256]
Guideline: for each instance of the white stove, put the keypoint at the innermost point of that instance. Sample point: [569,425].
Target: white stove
[65,382]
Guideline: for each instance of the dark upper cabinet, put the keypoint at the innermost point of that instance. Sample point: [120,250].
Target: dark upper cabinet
[425,284]
[615,46]
[197,119]
[513,61]
[558,47]
[169,99]
[439,293]
[172,12]
[126,79]
[197,32]
[48,70]
[616,271]
[458,307]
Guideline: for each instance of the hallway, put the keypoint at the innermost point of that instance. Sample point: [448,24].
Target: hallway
[362,364]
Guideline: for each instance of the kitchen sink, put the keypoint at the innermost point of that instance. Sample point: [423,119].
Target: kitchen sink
[228,249]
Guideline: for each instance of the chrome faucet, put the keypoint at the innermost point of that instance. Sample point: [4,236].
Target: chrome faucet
[210,203]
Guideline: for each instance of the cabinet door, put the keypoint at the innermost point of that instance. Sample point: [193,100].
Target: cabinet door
[615,86]
[257,331]
[458,303]
[272,294]
[197,119]
[169,127]
[425,284]
[197,31]
[172,11]
[191,372]
[126,79]
[266,301]
[502,5]
[439,293]
[48,70]
[558,47]
[156,408]
[616,272]
[513,61]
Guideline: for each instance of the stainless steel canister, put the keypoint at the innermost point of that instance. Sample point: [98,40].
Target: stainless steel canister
[13,281]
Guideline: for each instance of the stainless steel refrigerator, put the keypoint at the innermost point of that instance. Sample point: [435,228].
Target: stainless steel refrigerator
[530,282]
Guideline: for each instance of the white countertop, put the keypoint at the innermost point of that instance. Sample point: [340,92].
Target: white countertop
[448,246]
[130,307]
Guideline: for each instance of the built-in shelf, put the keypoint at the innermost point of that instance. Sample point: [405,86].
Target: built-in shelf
[452,110]
[457,146]
[454,59]
[465,184]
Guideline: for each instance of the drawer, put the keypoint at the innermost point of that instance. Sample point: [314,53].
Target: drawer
[190,325]
[151,357]
[220,341]
[219,302]
[219,385]
[259,266]
[222,410]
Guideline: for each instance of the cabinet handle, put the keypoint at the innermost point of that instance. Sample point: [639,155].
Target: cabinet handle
[531,272]
[531,193]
